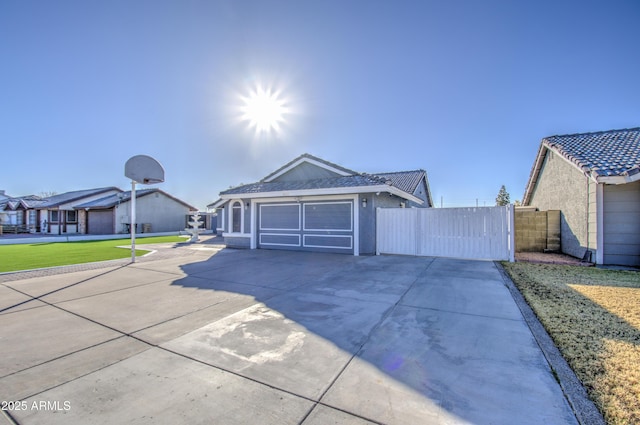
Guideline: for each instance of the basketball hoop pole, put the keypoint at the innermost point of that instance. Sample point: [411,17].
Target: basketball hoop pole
[133,221]
[146,170]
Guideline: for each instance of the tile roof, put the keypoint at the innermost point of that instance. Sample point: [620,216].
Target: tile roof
[604,153]
[404,180]
[14,202]
[332,182]
[600,155]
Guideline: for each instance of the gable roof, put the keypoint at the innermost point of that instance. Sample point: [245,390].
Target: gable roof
[611,156]
[63,198]
[345,181]
[115,199]
[13,203]
[408,181]
[312,160]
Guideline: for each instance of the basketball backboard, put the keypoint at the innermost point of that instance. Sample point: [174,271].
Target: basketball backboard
[144,169]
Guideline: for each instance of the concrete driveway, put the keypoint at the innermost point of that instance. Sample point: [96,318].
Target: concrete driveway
[267,337]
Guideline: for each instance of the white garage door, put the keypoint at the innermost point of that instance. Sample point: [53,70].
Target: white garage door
[307,226]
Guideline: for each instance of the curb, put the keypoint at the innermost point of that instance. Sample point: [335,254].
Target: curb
[585,410]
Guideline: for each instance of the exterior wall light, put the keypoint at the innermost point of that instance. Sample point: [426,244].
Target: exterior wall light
[364,202]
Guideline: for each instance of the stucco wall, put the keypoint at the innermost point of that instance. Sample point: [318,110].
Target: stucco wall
[561,186]
[163,213]
[237,242]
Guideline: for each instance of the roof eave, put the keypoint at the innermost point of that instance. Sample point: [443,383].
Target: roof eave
[622,179]
[535,172]
[319,192]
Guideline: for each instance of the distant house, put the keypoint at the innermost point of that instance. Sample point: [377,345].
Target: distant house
[19,212]
[95,211]
[156,211]
[57,214]
[594,180]
[311,204]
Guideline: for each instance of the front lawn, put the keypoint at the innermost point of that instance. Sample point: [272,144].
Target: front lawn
[593,316]
[35,256]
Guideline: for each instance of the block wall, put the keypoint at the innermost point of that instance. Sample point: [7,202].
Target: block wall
[537,231]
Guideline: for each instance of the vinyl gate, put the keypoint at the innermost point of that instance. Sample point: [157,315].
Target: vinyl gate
[475,233]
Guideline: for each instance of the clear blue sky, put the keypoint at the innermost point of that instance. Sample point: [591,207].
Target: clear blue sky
[463,89]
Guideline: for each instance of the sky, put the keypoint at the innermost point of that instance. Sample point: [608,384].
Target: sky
[463,89]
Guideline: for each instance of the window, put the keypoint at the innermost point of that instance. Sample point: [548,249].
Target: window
[72,216]
[236,217]
[54,216]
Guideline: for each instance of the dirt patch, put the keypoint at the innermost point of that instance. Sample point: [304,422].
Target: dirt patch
[549,258]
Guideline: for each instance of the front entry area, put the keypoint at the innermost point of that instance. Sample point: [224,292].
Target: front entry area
[321,226]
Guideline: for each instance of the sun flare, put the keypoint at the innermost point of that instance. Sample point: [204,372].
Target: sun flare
[264,110]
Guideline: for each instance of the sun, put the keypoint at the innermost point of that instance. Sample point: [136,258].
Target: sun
[264,109]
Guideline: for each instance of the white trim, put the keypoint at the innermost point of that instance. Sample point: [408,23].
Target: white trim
[278,205]
[310,161]
[279,234]
[617,179]
[333,192]
[356,225]
[304,237]
[356,213]
[511,209]
[230,218]
[600,223]
[304,221]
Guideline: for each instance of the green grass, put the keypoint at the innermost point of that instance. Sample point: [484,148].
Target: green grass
[40,255]
[593,317]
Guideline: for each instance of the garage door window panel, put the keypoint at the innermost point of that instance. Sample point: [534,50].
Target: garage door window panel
[328,216]
[280,217]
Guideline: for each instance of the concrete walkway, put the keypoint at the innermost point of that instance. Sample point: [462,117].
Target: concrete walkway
[266,337]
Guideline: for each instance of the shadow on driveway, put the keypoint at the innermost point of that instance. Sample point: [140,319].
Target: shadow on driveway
[392,339]
[274,337]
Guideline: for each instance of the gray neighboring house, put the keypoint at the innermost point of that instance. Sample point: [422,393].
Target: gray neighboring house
[156,211]
[594,180]
[57,214]
[311,204]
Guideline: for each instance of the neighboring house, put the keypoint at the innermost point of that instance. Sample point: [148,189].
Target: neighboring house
[594,180]
[95,211]
[156,211]
[310,204]
[57,214]
[19,212]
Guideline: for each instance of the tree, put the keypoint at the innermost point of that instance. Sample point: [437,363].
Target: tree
[503,197]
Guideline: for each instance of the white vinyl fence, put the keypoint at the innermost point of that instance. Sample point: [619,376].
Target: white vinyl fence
[485,233]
